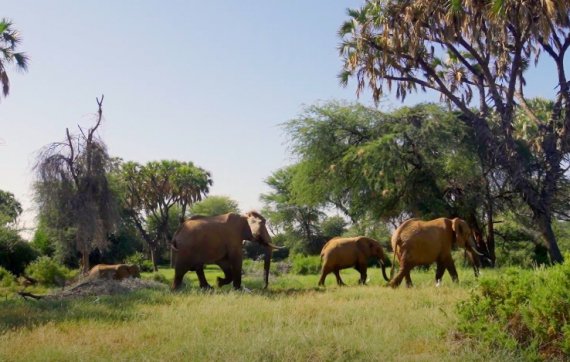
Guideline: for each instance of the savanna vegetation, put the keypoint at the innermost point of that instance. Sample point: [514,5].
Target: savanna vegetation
[487,154]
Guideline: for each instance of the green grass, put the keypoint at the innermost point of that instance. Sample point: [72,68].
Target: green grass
[293,320]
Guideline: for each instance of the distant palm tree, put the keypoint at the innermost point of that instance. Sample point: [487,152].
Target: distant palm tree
[9,40]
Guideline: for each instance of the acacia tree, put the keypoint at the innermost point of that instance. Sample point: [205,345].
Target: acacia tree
[73,192]
[9,40]
[153,191]
[475,55]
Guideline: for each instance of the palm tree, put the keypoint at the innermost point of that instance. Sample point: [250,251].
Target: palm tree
[9,40]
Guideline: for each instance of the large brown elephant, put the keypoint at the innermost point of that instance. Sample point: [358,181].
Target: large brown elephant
[115,271]
[342,253]
[416,242]
[218,240]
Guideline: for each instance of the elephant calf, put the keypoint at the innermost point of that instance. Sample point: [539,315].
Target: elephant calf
[116,271]
[342,253]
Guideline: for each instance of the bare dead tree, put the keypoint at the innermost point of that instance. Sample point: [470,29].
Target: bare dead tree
[73,189]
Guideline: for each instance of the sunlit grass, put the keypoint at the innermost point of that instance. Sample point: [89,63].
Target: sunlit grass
[293,320]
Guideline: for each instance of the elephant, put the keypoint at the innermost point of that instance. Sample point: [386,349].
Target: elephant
[218,240]
[116,271]
[341,253]
[416,242]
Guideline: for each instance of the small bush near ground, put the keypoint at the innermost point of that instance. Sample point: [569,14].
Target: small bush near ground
[140,259]
[7,279]
[525,311]
[49,272]
[305,265]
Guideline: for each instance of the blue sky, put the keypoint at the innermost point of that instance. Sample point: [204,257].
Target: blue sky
[208,82]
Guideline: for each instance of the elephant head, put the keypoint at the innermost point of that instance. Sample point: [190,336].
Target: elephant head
[464,238]
[257,231]
[372,248]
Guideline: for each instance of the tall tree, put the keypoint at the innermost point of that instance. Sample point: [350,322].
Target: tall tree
[215,205]
[10,208]
[475,55]
[72,189]
[286,213]
[9,41]
[153,191]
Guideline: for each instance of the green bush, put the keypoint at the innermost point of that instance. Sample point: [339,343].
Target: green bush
[526,311]
[304,265]
[49,272]
[15,253]
[7,279]
[140,259]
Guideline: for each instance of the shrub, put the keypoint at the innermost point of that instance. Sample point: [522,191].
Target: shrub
[15,253]
[526,311]
[7,279]
[49,272]
[304,265]
[140,259]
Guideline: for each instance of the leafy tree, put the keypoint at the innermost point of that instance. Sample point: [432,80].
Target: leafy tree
[475,55]
[215,205]
[415,161]
[9,41]
[10,208]
[287,214]
[73,192]
[152,192]
[333,226]
[15,253]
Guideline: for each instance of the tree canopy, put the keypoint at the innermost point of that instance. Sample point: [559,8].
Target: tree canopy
[152,192]
[215,205]
[73,191]
[475,54]
[9,41]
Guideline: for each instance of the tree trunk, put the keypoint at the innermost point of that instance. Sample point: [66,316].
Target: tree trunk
[154,257]
[491,235]
[545,223]
[85,260]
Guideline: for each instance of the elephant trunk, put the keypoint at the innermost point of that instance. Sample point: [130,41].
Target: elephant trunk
[383,265]
[266,265]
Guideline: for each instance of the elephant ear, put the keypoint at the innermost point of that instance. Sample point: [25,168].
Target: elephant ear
[365,245]
[246,229]
[459,228]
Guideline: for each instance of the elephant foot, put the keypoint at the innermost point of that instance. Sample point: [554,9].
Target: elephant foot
[221,282]
[206,287]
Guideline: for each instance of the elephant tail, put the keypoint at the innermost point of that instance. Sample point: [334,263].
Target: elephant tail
[393,262]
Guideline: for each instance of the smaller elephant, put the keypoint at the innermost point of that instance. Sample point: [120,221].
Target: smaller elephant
[342,253]
[116,271]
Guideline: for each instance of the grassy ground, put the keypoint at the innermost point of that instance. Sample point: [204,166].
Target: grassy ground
[293,320]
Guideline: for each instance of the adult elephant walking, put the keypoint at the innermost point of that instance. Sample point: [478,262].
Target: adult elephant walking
[418,242]
[218,240]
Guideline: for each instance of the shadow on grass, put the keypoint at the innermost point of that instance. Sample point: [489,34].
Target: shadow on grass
[16,314]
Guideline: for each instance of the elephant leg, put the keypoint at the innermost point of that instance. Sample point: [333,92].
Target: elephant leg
[324,272]
[362,269]
[403,273]
[178,277]
[236,270]
[202,278]
[227,279]
[439,271]
[452,271]
[338,279]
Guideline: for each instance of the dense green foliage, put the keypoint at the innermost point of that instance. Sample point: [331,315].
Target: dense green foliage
[215,205]
[7,279]
[304,265]
[141,260]
[48,271]
[526,311]
[15,253]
